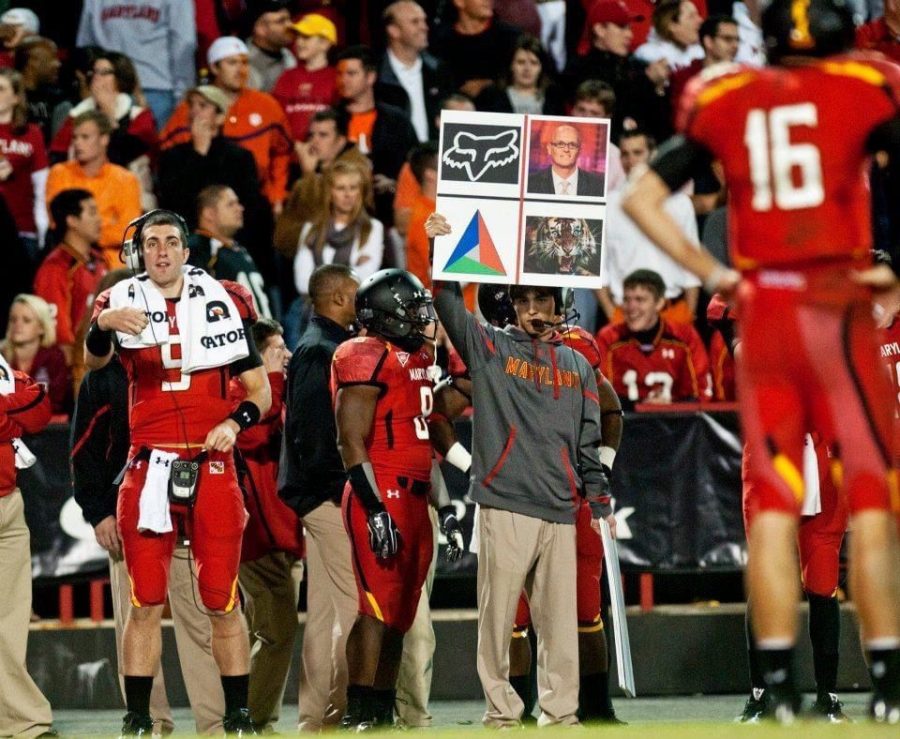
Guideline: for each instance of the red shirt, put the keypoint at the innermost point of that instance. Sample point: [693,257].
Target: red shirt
[583,343]
[674,366]
[876,36]
[168,409]
[24,411]
[68,281]
[890,355]
[792,141]
[25,151]
[398,442]
[302,94]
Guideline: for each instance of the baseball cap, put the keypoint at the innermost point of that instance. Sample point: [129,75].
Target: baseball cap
[313,24]
[224,47]
[213,94]
[612,11]
[22,17]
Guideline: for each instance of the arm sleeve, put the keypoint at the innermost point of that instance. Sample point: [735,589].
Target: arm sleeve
[679,160]
[24,411]
[253,359]
[182,45]
[473,340]
[596,488]
[89,440]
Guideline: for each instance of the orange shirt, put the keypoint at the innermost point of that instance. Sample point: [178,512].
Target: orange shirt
[255,122]
[118,195]
[360,127]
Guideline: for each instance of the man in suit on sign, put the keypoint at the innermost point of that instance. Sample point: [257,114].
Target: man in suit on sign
[564,177]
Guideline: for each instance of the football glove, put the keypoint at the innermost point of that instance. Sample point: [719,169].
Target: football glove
[450,528]
[384,538]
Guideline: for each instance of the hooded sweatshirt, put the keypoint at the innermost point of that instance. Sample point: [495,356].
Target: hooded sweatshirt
[536,419]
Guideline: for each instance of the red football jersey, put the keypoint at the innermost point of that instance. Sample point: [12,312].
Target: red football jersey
[398,442]
[674,367]
[167,408]
[456,368]
[792,141]
[890,355]
[582,342]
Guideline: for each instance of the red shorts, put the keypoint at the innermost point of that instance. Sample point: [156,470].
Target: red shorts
[589,551]
[809,362]
[389,590]
[215,526]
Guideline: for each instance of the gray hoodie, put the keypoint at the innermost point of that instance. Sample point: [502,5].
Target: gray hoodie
[536,420]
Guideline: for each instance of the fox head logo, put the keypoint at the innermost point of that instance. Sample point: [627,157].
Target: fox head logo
[477,154]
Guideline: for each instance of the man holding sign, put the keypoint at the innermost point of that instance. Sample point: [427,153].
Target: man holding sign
[535,437]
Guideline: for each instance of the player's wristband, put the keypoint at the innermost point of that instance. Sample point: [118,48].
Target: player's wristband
[98,341]
[459,457]
[607,456]
[246,415]
[362,480]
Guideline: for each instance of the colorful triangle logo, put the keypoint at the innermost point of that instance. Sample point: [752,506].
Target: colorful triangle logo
[475,253]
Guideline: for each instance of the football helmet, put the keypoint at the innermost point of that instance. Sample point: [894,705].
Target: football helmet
[496,305]
[395,304]
[807,28]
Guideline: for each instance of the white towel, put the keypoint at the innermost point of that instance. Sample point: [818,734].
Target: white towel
[812,499]
[211,330]
[24,457]
[154,504]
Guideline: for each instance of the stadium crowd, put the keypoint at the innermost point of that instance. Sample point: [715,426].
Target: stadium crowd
[297,142]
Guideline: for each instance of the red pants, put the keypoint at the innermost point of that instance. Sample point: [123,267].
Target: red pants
[589,550]
[215,526]
[809,362]
[389,590]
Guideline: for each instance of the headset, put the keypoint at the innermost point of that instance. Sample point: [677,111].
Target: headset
[131,253]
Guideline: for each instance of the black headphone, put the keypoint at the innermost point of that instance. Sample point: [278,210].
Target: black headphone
[130,253]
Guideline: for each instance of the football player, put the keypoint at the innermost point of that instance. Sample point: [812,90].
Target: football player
[382,389]
[793,139]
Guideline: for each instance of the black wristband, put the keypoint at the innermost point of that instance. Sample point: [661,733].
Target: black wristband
[98,341]
[359,481]
[246,415]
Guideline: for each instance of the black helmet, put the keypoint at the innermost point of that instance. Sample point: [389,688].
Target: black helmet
[496,305]
[395,304]
[807,28]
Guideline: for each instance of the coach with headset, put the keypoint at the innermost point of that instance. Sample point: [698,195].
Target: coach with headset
[180,336]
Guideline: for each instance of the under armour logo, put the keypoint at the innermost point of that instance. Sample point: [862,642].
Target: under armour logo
[393,493]
[668,353]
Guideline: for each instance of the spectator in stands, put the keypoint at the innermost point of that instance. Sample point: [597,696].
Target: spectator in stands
[752,49]
[341,231]
[311,85]
[675,36]
[627,249]
[409,77]
[526,86]
[327,143]
[882,34]
[16,24]
[112,87]
[271,37]
[160,40]
[640,89]
[720,39]
[116,190]
[476,48]
[254,119]
[423,163]
[272,549]
[30,347]
[37,61]
[67,279]
[220,216]
[596,99]
[23,164]
[381,131]
[646,358]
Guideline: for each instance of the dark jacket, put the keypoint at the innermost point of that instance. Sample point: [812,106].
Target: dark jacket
[436,85]
[99,440]
[392,138]
[310,470]
[589,183]
[494,99]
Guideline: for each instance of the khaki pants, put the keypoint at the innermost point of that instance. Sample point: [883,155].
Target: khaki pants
[417,663]
[271,588]
[24,711]
[518,551]
[331,611]
[193,638]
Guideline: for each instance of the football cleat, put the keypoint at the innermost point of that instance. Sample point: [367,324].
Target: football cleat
[830,708]
[884,711]
[753,708]
[238,723]
[136,724]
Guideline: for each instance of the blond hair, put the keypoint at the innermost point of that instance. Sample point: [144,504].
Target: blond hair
[42,311]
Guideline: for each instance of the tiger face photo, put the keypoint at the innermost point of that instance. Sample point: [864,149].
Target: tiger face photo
[562,246]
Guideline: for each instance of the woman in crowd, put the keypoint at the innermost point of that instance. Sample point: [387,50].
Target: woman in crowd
[675,36]
[23,164]
[342,231]
[526,87]
[30,346]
